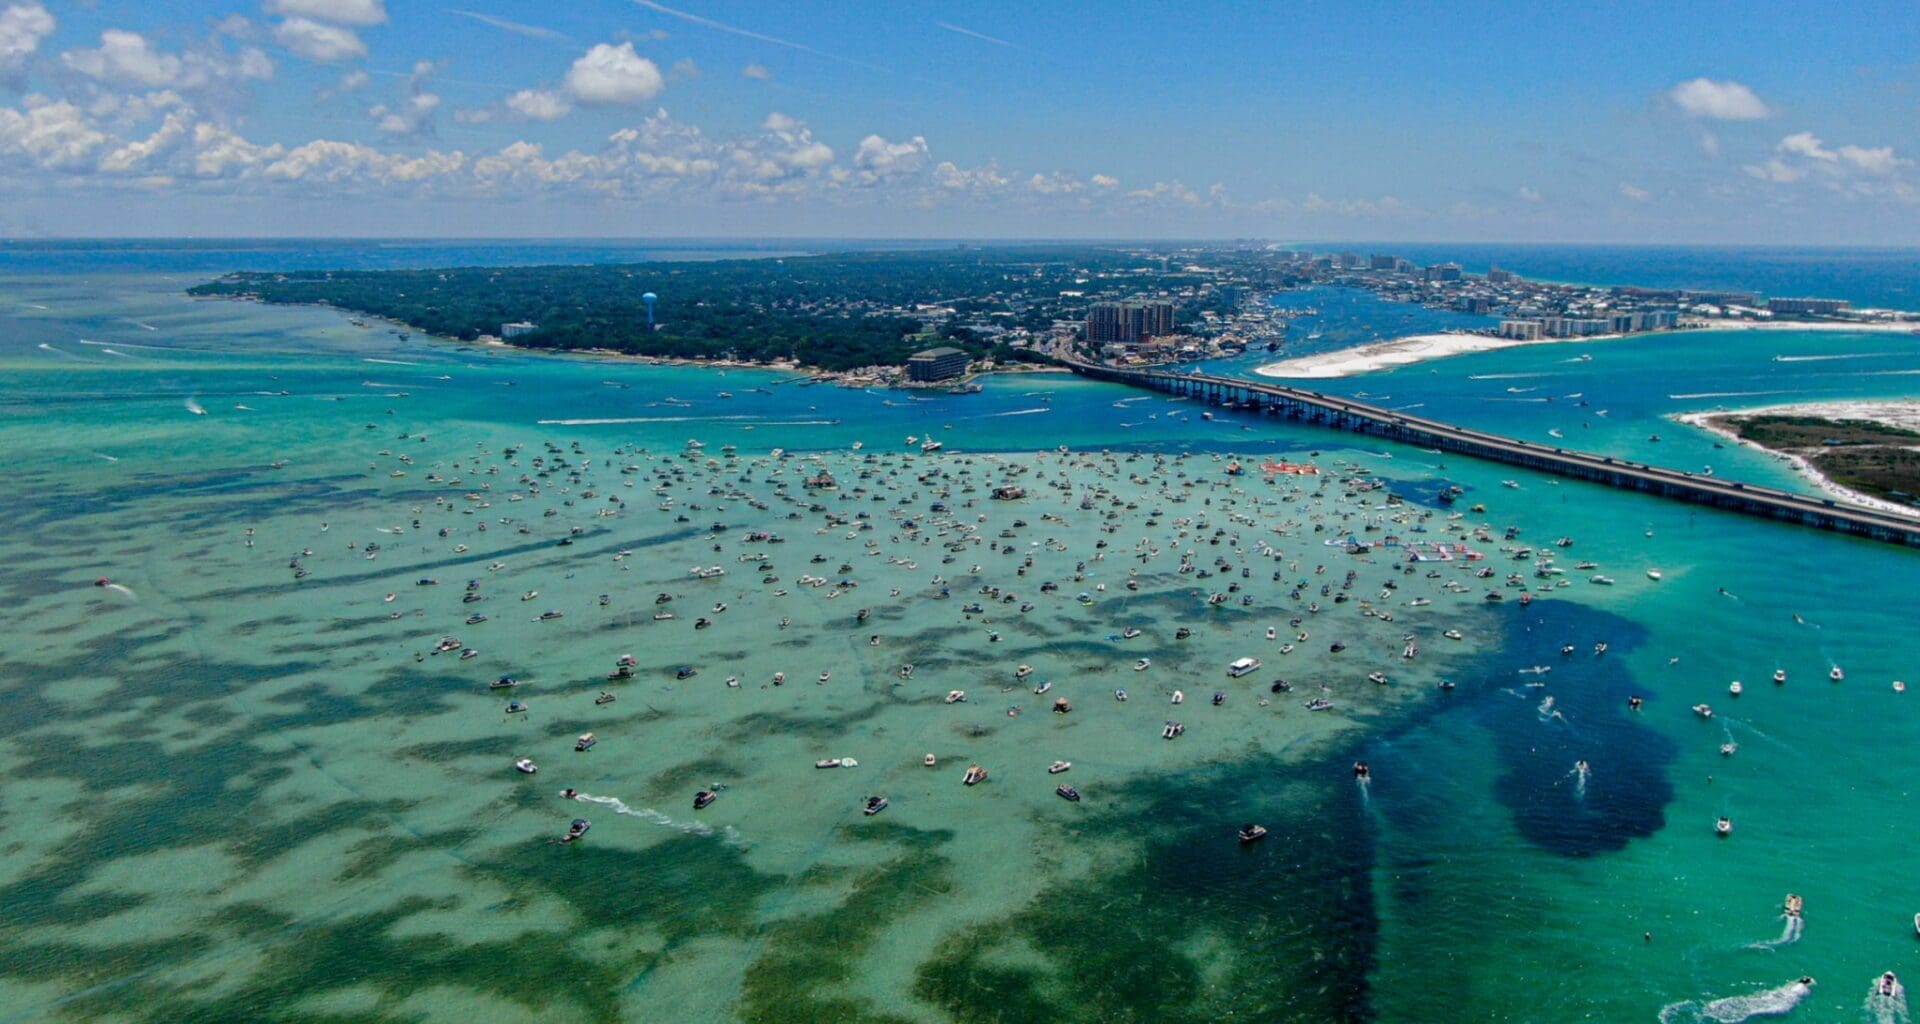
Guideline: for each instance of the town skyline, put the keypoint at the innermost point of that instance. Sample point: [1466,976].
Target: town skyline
[644,119]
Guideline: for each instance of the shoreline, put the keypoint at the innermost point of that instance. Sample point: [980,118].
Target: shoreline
[1420,348]
[490,341]
[1866,410]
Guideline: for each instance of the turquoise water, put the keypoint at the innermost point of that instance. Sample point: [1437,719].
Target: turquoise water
[235,794]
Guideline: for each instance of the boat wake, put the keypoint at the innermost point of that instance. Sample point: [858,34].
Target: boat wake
[105,456]
[390,362]
[194,408]
[1506,376]
[1772,1002]
[727,833]
[1824,359]
[123,590]
[1789,934]
[1017,412]
[1727,394]
[1887,1009]
[45,347]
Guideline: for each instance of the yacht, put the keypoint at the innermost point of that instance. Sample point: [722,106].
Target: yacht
[1068,793]
[526,765]
[1243,666]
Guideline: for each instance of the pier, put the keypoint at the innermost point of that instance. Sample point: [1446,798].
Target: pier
[1347,414]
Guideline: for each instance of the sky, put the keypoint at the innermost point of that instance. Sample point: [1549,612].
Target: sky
[1701,122]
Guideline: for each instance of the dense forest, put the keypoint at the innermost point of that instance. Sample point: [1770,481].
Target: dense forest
[836,311]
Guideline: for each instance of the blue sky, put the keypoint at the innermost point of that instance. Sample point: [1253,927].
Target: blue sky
[1762,123]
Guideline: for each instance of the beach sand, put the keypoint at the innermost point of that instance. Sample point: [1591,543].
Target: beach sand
[1894,413]
[1420,348]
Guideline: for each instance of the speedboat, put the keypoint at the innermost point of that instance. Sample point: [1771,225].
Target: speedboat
[576,830]
[1377,678]
[975,775]
[1453,634]
[1179,697]
[1723,827]
[1252,833]
[585,742]
[1068,793]
[1058,766]
[704,798]
[1703,710]
[956,696]
[1794,904]
[1129,633]
[503,683]
[514,707]
[1780,675]
[1172,730]
[829,762]
[1120,694]
[1654,575]
[1045,685]
[1142,664]
[1319,704]
[1362,772]
[875,804]
[604,698]
[1888,987]
[1735,688]
[1836,675]
[526,765]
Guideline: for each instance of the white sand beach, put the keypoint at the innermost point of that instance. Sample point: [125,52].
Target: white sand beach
[1893,413]
[1419,348]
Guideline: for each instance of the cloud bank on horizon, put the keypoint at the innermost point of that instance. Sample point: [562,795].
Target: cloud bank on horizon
[517,118]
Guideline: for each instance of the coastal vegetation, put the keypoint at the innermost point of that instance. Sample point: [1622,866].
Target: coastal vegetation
[836,312]
[1861,455]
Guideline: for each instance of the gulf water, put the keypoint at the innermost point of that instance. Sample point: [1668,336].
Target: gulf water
[230,794]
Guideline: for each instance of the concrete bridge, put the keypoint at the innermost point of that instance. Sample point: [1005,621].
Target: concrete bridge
[1346,413]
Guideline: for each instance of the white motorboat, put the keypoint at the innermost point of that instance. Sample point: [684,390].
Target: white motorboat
[526,765]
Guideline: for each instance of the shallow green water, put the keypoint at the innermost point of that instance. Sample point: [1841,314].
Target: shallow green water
[234,794]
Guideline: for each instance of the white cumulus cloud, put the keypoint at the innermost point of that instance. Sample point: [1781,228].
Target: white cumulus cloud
[757,72]
[1634,192]
[1720,101]
[318,42]
[1876,160]
[22,27]
[611,74]
[127,58]
[878,159]
[340,12]
[538,104]
[1807,145]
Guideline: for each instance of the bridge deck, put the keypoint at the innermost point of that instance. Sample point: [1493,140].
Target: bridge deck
[1334,410]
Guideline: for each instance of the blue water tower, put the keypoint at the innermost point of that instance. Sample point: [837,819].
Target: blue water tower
[649,298]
